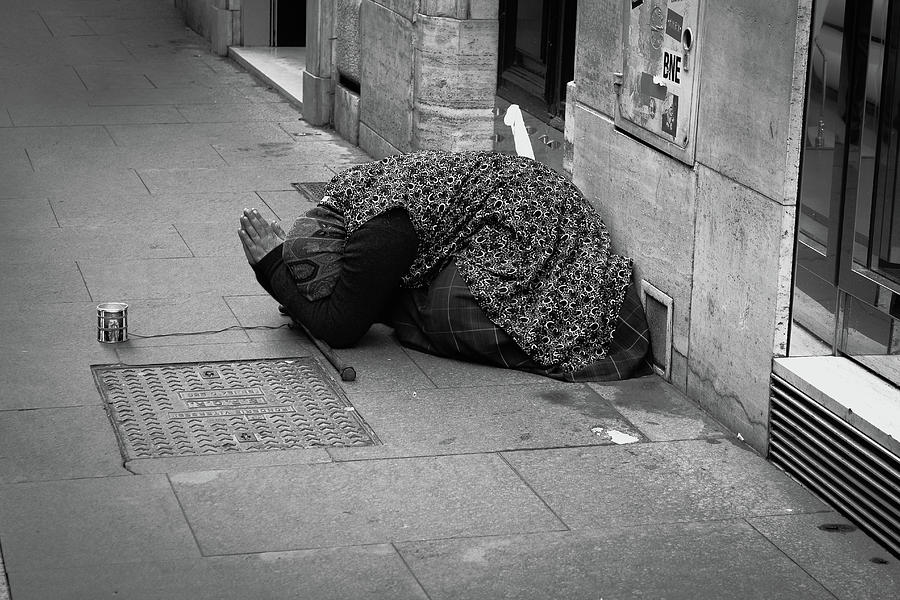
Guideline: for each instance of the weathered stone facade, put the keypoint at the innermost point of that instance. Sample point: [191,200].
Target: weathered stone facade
[219,21]
[717,236]
[715,233]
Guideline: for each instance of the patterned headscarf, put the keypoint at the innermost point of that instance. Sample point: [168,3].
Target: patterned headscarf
[533,251]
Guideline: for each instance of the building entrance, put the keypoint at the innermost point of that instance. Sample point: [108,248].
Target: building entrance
[847,277]
[537,55]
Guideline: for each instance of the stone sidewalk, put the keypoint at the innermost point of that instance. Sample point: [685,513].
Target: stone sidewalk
[127,150]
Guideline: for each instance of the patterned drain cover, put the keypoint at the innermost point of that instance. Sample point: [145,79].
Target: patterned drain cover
[190,409]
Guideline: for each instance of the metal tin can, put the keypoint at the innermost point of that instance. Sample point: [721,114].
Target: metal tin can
[112,322]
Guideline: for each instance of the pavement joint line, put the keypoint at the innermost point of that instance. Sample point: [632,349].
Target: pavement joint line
[4,578]
[790,558]
[184,515]
[84,281]
[85,478]
[533,491]
[409,569]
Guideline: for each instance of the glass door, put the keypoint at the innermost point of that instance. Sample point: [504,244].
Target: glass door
[537,54]
[847,282]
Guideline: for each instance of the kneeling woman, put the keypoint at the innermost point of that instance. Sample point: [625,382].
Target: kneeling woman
[480,256]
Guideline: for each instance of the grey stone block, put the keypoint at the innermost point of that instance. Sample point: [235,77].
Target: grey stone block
[81,522]
[849,563]
[338,154]
[663,482]
[230,179]
[738,299]
[386,71]
[38,281]
[374,571]
[373,144]
[485,419]
[354,503]
[346,114]
[659,410]
[123,212]
[746,62]
[57,443]
[166,278]
[687,560]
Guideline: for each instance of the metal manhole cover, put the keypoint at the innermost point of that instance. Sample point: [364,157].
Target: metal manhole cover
[190,409]
[313,190]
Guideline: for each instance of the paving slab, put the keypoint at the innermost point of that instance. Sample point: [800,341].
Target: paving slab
[181,321]
[56,376]
[61,25]
[99,242]
[111,77]
[42,114]
[39,281]
[98,521]
[57,443]
[214,239]
[37,138]
[372,572]
[432,422]
[19,84]
[291,153]
[137,210]
[664,482]
[844,559]
[288,204]
[381,365]
[230,179]
[451,373]
[238,113]
[366,502]
[27,213]
[181,95]
[4,587]
[14,160]
[659,410]
[196,135]
[261,310]
[725,559]
[48,326]
[134,157]
[89,49]
[88,182]
[151,355]
[166,278]
[151,26]
[243,460]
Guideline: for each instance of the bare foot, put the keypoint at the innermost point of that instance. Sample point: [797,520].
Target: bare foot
[258,236]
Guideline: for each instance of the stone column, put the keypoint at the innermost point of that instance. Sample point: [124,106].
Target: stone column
[225,28]
[455,74]
[318,83]
[427,75]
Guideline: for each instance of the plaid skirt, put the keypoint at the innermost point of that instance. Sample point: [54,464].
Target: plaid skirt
[444,319]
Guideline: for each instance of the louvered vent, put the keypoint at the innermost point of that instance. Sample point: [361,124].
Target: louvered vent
[840,464]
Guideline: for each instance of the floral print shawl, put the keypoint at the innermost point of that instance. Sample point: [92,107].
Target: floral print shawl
[533,251]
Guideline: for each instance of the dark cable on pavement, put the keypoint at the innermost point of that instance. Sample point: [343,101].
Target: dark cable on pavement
[208,331]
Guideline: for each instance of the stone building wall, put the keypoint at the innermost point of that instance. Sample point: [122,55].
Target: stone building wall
[219,21]
[406,74]
[716,236]
[714,233]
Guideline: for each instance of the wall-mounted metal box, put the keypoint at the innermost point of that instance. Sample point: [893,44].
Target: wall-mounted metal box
[657,94]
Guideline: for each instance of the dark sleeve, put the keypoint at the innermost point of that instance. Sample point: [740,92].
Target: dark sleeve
[376,256]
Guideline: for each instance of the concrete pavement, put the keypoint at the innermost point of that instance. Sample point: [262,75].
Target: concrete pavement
[127,150]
